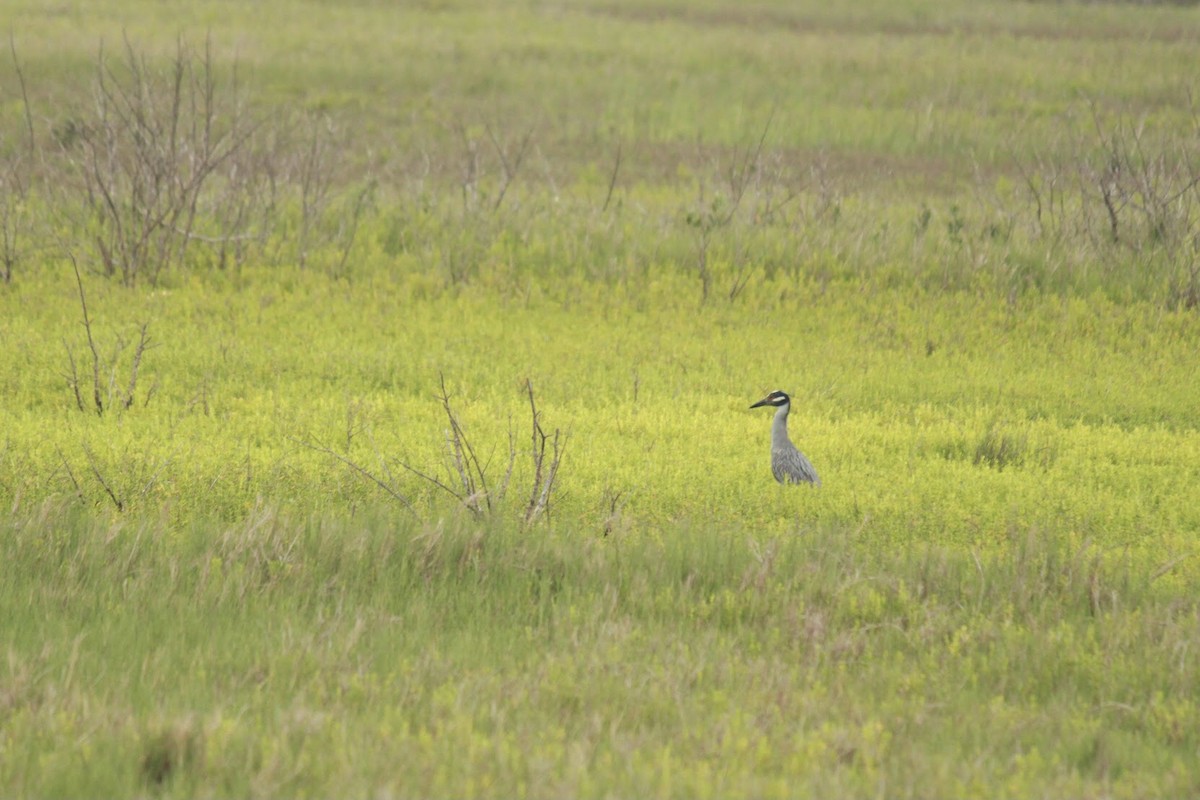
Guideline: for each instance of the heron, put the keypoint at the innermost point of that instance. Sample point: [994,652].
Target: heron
[788,464]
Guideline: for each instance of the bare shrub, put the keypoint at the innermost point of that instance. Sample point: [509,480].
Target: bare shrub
[468,482]
[106,389]
[286,191]
[1148,187]
[242,211]
[146,153]
[1125,192]
[16,219]
[466,477]
[1183,291]
[489,163]
[754,188]
[545,464]
[479,193]
[123,484]
[312,165]
[470,476]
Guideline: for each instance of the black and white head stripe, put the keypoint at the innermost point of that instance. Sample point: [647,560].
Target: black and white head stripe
[776,398]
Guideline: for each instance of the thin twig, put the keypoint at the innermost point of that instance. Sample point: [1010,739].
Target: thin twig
[612,180]
[1167,567]
[510,170]
[100,477]
[73,378]
[543,475]
[143,342]
[460,498]
[70,474]
[462,444]
[360,470]
[12,48]
[87,324]
[739,179]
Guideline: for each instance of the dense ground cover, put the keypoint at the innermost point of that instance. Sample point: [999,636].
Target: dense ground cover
[962,235]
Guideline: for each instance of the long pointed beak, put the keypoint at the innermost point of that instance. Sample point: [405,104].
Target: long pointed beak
[762,402]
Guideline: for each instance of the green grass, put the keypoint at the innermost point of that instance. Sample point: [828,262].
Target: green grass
[992,595]
[290,655]
[1072,414]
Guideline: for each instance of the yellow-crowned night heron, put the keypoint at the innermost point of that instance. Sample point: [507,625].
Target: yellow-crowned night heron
[788,463]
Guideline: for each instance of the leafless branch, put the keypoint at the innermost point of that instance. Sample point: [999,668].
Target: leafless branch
[150,147]
[404,501]
[70,474]
[466,463]
[73,376]
[612,179]
[143,341]
[510,167]
[544,473]
[470,485]
[98,391]
[100,477]
[87,325]
[12,48]
[743,171]
[464,499]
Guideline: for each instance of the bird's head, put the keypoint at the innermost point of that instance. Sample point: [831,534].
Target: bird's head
[776,399]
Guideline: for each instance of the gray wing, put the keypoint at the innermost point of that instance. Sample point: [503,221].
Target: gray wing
[791,466]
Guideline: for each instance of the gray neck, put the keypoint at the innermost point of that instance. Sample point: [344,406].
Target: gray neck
[779,434]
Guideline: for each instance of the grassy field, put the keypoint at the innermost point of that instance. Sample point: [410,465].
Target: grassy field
[237,553]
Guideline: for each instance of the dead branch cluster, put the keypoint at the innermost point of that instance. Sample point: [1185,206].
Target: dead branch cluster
[146,155]
[138,481]
[105,389]
[165,166]
[465,477]
[469,476]
[16,220]
[489,163]
[754,190]
[169,165]
[1127,187]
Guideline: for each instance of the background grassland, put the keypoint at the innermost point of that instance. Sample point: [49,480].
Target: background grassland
[895,211]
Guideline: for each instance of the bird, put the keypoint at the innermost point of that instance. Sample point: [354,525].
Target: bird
[788,464]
